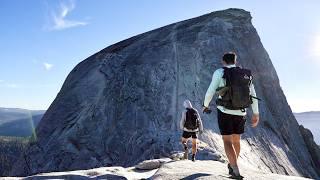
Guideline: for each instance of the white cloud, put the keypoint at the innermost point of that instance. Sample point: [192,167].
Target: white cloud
[313,49]
[47,66]
[28,86]
[12,85]
[59,17]
[4,84]
[316,46]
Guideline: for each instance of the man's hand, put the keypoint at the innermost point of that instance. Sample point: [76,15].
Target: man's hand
[255,120]
[206,110]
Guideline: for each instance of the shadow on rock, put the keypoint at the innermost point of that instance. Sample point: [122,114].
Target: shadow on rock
[195,176]
[77,177]
[140,170]
[111,176]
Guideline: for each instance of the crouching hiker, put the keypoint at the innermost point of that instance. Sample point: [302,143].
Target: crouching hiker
[191,124]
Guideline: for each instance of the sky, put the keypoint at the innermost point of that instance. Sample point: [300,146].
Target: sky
[41,41]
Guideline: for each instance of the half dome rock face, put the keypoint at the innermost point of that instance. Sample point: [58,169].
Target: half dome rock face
[123,104]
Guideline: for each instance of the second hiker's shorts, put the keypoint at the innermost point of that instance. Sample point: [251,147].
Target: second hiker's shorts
[187,134]
[230,124]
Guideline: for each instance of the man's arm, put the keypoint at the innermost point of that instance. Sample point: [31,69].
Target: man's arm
[216,77]
[183,118]
[254,106]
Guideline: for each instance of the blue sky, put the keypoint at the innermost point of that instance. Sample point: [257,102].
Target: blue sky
[41,41]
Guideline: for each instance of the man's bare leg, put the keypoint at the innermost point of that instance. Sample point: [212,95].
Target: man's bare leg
[184,143]
[194,148]
[236,143]
[194,145]
[229,149]
[232,153]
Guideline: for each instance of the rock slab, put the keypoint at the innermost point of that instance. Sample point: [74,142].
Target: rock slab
[208,170]
[123,104]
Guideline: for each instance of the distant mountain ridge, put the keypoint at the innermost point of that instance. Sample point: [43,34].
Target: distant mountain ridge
[16,126]
[19,122]
[310,120]
[308,113]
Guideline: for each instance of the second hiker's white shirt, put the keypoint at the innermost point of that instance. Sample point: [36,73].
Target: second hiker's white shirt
[218,81]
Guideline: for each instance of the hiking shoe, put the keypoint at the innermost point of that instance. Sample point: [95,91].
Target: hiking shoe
[230,169]
[235,176]
[193,157]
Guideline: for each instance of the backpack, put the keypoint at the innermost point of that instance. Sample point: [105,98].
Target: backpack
[237,94]
[192,121]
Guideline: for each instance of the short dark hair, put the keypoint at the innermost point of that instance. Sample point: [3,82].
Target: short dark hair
[229,58]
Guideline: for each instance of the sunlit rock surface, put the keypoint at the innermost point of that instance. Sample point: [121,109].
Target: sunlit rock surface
[123,104]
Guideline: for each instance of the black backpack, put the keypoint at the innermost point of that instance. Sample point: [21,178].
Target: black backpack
[237,92]
[192,121]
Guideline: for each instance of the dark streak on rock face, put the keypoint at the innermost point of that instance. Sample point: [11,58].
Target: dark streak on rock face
[313,148]
[121,105]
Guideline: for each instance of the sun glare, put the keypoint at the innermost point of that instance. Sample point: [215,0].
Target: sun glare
[316,46]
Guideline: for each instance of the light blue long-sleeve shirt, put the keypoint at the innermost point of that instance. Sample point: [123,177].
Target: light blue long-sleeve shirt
[218,81]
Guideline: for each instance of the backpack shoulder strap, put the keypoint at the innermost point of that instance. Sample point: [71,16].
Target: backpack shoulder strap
[224,72]
[226,75]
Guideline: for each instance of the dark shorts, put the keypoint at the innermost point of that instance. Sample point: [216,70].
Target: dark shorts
[187,134]
[230,124]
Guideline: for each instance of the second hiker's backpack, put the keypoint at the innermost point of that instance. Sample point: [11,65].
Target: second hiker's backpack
[237,95]
[192,121]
